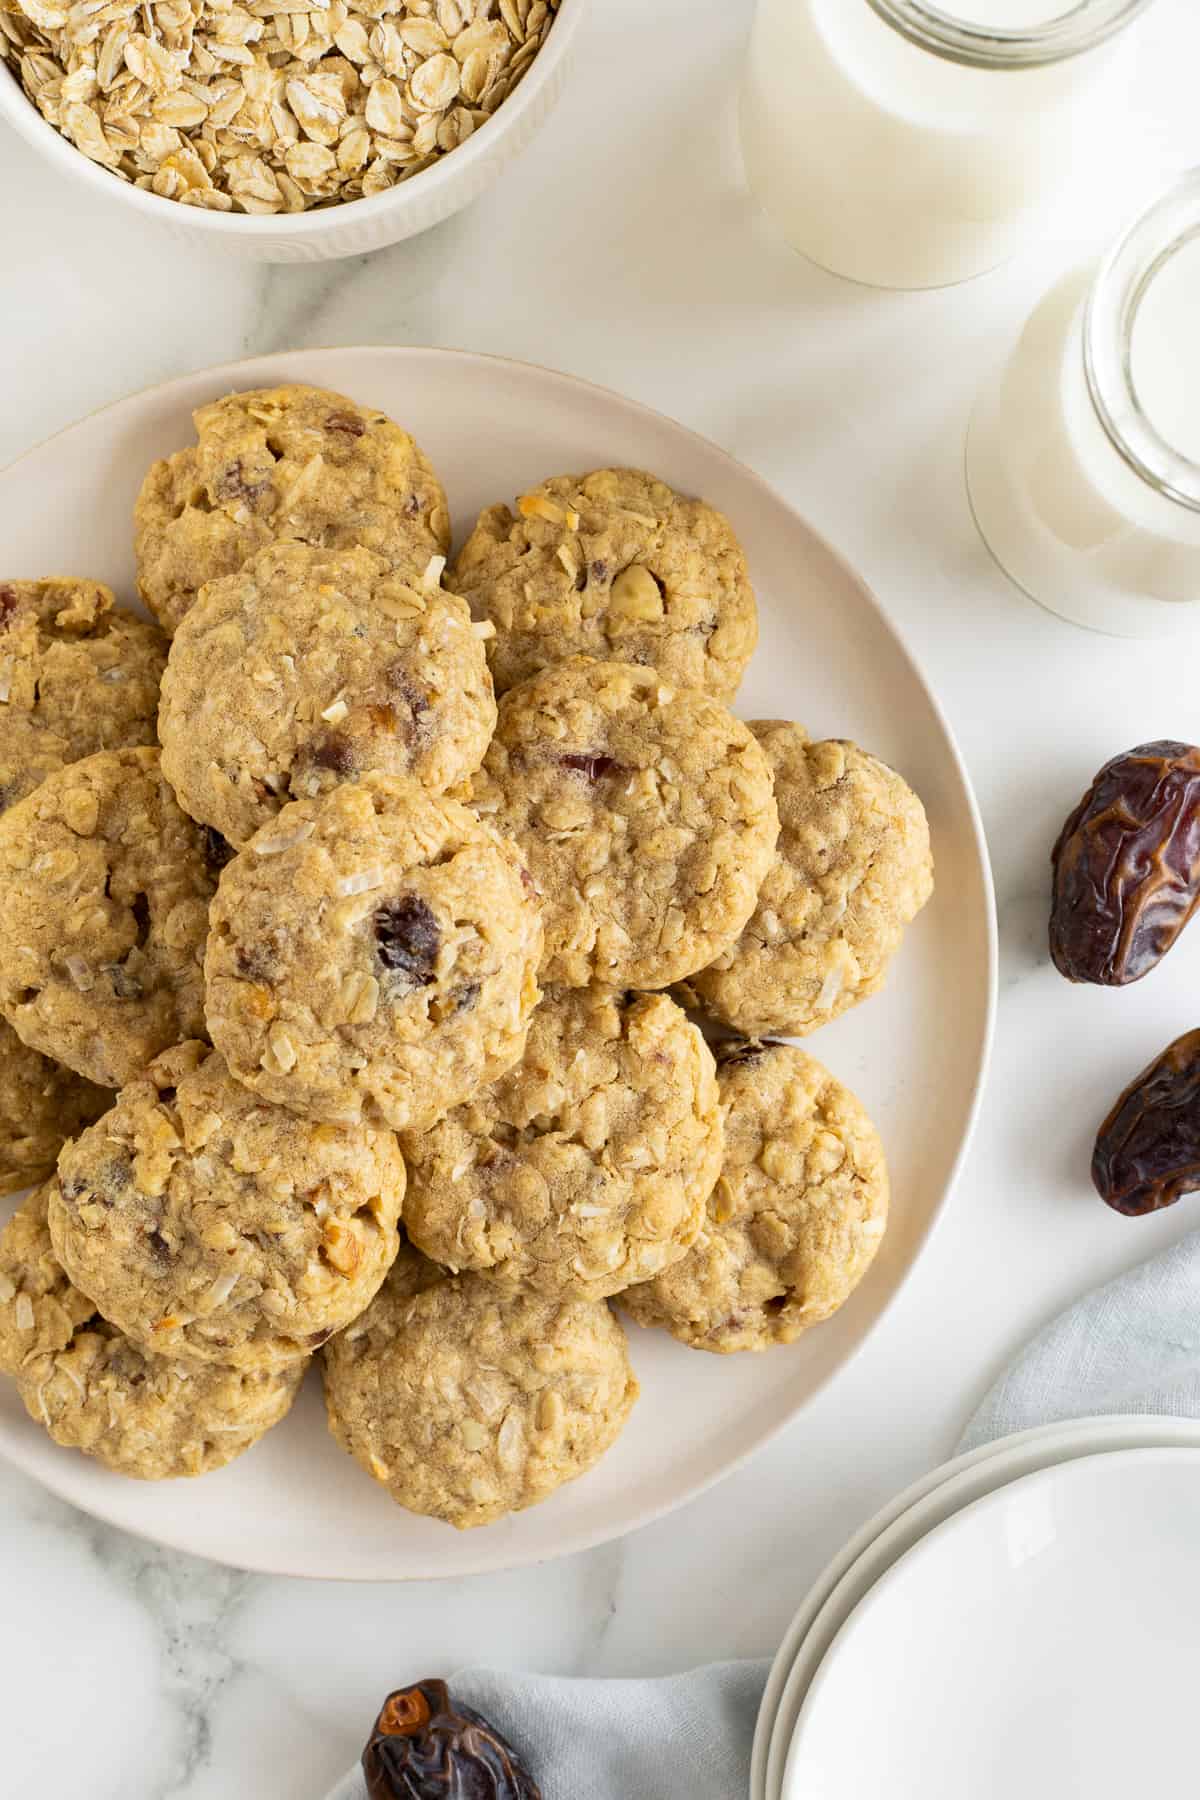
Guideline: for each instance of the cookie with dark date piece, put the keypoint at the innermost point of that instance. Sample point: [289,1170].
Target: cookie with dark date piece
[309,668]
[373,956]
[645,812]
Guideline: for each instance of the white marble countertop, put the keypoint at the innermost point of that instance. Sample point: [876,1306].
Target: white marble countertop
[623,248]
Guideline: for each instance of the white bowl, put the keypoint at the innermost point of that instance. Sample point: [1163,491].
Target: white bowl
[355,227]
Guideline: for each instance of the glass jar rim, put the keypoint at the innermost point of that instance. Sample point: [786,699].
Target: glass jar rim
[1110,317]
[1079,25]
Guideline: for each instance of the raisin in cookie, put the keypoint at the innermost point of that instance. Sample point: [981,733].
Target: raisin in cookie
[205,1223]
[645,813]
[617,566]
[586,1167]
[288,463]
[152,1417]
[104,891]
[853,868]
[373,956]
[312,667]
[469,1400]
[796,1216]
[41,1105]
[77,674]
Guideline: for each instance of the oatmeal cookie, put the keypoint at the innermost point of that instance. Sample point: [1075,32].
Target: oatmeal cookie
[312,667]
[104,891]
[645,814]
[852,869]
[795,1218]
[373,956]
[206,1223]
[586,1167]
[614,565]
[40,1311]
[470,1400]
[152,1417]
[77,674]
[41,1105]
[289,463]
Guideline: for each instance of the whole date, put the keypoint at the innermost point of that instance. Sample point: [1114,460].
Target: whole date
[426,1747]
[1148,1149]
[1127,866]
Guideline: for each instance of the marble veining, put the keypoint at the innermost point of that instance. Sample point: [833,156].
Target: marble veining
[622,248]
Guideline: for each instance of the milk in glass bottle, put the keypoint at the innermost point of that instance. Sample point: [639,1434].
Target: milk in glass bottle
[910,145]
[1083,460]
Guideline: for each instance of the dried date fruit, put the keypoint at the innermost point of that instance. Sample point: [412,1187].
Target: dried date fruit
[345,422]
[218,851]
[735,1052]
[408,938]
[1127,866]
[425,1747]
[1148,1149]
[594,764]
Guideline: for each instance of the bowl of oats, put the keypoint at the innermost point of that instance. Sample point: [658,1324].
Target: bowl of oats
[284,130]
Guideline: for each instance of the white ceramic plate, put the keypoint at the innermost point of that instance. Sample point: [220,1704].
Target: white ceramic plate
[1042,1642]
[829,656]
[901,1525]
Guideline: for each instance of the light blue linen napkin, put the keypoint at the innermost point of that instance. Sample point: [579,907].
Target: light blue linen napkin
[1132,1346]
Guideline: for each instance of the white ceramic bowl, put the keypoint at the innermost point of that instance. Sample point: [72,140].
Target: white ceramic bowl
[357,226]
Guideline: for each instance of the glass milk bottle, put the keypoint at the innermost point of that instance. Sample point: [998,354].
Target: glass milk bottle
[1083,460]
[909,145]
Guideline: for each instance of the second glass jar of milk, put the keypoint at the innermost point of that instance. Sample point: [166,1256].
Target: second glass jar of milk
[910,145]
[1083,461]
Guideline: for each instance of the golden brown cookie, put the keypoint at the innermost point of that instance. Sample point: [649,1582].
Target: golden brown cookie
[645,814]
[796,1217]
[468,1401]
[586,1167]
[204,1222]
[309,668]
[614,565]
[104,891]
[273,465]
[852,870]
[152,1417]
[77,674]
[373,956]
[41,1106]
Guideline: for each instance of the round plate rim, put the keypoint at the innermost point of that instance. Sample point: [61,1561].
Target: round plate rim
[1057,1442]
[959,1521]
[590,1539]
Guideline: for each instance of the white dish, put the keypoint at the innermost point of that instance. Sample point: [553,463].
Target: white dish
[894,1530]
[358,226]
[829,655]
[1044,1641]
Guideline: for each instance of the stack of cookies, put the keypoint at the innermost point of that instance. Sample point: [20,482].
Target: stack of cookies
[350,982]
